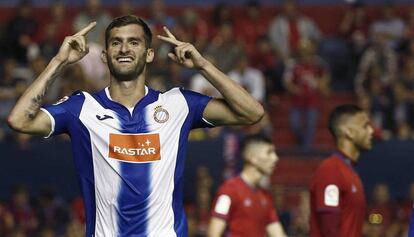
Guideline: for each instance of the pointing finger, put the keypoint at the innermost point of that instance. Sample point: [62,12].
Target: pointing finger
[85,30]
[169,40]
[168,32]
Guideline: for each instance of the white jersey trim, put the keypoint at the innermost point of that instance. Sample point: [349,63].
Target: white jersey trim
[52,122]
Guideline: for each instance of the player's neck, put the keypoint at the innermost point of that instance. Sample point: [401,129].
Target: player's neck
[251,176]
[127,93]
[348,149]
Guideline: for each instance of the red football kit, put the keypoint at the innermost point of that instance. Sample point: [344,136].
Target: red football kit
[337,189]
[247,210]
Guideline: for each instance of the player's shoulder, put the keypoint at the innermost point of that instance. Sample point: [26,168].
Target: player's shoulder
[328,166]
[74,98]
[231,184]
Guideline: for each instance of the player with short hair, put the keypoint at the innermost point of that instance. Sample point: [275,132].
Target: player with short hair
[241,206]
[337,193]
[128,140]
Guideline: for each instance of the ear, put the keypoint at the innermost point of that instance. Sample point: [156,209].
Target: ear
[150,55]
[103,57]
[347,131]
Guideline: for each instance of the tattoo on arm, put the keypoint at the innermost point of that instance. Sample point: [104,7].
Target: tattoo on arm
[34,106]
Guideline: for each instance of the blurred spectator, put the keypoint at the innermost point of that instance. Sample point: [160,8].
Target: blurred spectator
[22,211]
[380,56]
[287,29]
[307,80]
[279,200]
[355,28]
[159,17]
[409,26]
[6,220]
[381,212]
[51,211]
[224,48]
[251,26]
[203,199]
[265,59]
[200,84]
[193,29]
[21,31]
[11,87]
[375,78]
[73,79]
[93,12]
[74,229]
[125,7]
[54,29]
[56,26]
[404,99]
[249,78]
[301,214]
[221,14]
[389,25]
[78,212]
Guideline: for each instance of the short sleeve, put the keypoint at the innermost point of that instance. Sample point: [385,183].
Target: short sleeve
[61,113]
[224,201]
[197,103]
[326,189]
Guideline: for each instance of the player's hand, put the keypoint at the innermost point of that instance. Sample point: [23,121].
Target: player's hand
[184,53]
[74,47]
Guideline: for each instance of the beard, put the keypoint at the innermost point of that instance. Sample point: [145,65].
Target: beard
[127,75]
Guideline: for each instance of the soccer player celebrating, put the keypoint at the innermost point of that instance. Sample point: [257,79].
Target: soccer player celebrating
[129,140]
[241,206]
[337,194]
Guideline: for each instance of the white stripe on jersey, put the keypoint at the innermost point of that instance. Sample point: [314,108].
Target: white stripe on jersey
[107,182]
[161,215]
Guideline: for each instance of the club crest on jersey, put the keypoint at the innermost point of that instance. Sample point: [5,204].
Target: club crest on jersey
[161,115]
[65,98]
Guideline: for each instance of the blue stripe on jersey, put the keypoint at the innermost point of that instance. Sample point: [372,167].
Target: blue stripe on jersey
[82,154]
[196,105]
[67,114]
[135,185]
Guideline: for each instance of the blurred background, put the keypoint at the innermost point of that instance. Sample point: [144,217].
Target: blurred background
[300,59]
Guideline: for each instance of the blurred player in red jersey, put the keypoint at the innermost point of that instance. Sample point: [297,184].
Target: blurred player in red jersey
[337,194]
[241,207]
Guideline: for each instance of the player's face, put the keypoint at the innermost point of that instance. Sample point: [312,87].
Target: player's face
[266,158]
[362,131]
[126,53]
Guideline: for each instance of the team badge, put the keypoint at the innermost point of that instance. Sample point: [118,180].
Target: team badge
[161,115]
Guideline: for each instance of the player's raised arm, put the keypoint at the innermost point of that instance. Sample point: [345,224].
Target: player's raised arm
[237,107]
[25,116]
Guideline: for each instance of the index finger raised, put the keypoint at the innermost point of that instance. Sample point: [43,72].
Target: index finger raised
[85,30]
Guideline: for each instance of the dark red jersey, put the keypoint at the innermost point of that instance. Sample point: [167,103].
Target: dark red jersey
[246,210]
[336,187]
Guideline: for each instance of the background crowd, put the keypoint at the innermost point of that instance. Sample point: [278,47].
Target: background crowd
[282,58]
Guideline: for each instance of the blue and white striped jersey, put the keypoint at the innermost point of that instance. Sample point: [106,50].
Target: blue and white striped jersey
[130,162]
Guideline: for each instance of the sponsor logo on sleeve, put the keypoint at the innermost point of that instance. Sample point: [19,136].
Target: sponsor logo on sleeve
[223,205]
[331,197]
[134,147]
